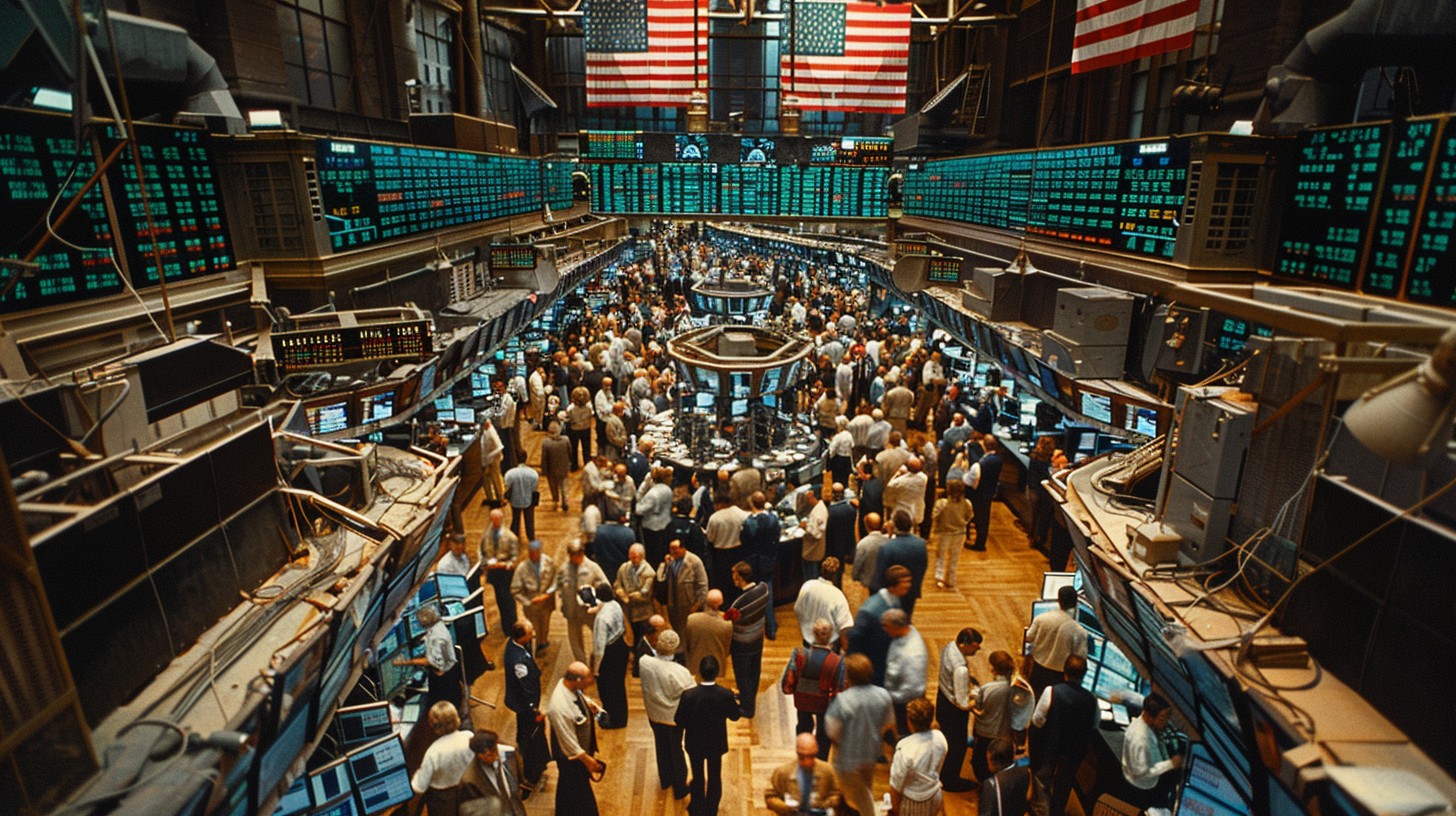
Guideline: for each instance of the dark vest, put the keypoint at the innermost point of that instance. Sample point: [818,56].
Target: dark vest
[990,477]
[1069,721]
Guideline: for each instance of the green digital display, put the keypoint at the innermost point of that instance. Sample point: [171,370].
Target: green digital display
[512,256]
[699,188]
[556,176]
[1123,195]
[181,221]
[1432,274]
[1396,216]
[1327,214]
[376,192]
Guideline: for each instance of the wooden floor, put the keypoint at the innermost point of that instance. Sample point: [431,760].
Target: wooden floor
[994,594]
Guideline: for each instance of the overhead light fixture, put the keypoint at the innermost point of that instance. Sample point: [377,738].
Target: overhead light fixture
[1403,419]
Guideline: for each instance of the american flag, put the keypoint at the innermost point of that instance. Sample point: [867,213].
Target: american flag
[846,56]
[1111,32]
[645,53]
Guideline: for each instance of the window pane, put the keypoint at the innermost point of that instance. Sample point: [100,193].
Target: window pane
[340,52]
[335,9]
[288,35]
[320,88]
[297,81]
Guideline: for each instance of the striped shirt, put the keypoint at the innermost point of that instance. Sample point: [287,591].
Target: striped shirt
[752,608]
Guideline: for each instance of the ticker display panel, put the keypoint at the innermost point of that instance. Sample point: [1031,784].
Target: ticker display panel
[322,347]
[1122,195]
[698,188]
[182,220]
[556,176]
[1373,208]
[1327,215]
[376,192]
[611,145]
[512,256]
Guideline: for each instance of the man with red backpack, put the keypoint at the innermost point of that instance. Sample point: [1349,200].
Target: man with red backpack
[814,676]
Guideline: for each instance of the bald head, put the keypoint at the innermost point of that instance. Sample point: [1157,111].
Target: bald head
[714,599]
[872,521]
[497,517]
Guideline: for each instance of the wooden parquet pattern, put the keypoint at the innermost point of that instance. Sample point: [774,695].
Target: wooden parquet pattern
[994,593]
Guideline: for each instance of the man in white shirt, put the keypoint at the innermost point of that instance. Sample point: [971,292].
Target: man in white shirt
[1054,636]
[906,491]
[445,761]
[663,682]
[454,561]
[1145,762]
[572,718]
[906,664]
[953,704]
[816,517]
[820,598]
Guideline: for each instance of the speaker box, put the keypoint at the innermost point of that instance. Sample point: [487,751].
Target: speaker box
[1213,441]
[1199,519]
[995,294]
[1082,361]
[1093,316]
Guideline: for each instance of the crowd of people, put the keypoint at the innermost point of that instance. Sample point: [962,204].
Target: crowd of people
[672,577]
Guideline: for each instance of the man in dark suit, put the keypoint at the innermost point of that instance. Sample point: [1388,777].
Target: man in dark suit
[494,776]
[871,497]
[760,548]
[523,696]
[984,479]
[703,713]
[868,637]
[611,544]
[1066,718]
[839,532]
[907,550]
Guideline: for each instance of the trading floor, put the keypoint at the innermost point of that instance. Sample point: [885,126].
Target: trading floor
[994,593]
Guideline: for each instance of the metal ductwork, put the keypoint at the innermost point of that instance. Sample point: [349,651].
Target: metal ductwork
[1317,84]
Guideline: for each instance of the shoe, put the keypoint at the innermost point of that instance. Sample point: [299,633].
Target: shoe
[489,664]
[939,584]
[679,793]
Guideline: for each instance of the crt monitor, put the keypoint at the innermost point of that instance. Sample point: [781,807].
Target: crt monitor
[1051,582]
[1043,606]
[738,407]
[363,723]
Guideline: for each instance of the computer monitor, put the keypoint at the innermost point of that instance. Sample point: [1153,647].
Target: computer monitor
[1142,420]
[331,781]
[1052,582]
[445,403]
[465,416]
[329,418]
[738,407]
[377,406]
[363,723]
[1039,607]
[296,800]
[386,791]
[451,585]
[380,776]
[1097,406]
[703,401]
[345,805]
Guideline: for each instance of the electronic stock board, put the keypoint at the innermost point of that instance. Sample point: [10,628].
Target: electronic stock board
[181,222]
[701,188]
[376,192]
[1373,207]
[1123,196]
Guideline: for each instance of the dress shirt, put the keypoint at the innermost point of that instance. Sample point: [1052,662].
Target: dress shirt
[906,667]
[655,507]
[998,709]
[663,682]
[866,553]
[855,719]
[499,546]
[522,481]
[841,444]
[820,598]
[444,763]
[533,578]
[724,526]
[440,648]
[859,430]
[602,404]
[566,710]
[1055,636]
[452,564]
[1143,757]
[608,627]
[955,676]
[908,492]
[915,770]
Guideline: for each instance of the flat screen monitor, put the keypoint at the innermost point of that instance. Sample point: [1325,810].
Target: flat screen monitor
[770,401]
[1041,607]
[1121,628]
[1097,407]
[296,800]
[465,416]
[739,407]
[692,147]
[282,751]
[1207,790]
[1047,377]
[1010,386]
[741,384]
[363,723]
[329,418]
[343,806]
[384,792]
[398,590]
[331,781]
[1142,420]
[445,403]
[444,416]
[427,381]
[1228,748]
[1281,801]
[771,379]
[703,401]
[451,585]
[1052,582]
[756,151]
[377,407]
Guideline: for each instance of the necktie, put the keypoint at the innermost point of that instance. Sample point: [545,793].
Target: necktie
[505,788]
